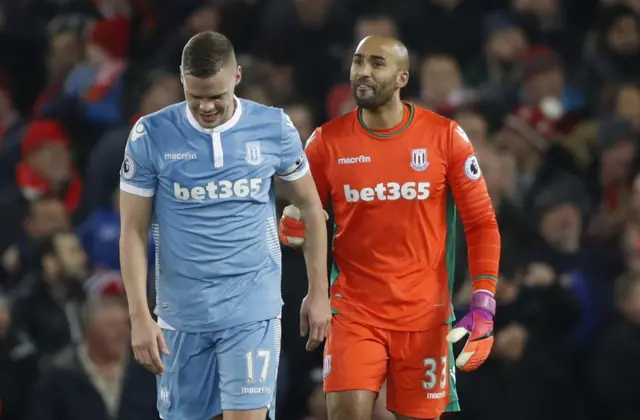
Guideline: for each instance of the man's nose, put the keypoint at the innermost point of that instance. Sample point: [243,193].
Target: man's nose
[365,71]
[207,105]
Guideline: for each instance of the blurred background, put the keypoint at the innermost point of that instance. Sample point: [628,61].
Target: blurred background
[548,91]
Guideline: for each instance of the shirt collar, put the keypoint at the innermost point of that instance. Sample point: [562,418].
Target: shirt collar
[219,129]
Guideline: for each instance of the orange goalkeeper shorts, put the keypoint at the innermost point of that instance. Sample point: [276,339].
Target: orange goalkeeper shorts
[418,366]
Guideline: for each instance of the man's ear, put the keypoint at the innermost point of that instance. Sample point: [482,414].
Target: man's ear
[403,79]
[181,75]
[238,75]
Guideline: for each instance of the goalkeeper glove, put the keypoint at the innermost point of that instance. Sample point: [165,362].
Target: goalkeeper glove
[291,229]
[474,333]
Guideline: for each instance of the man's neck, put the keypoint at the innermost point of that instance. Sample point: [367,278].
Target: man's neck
[385,117]
[100,360]
[106,366]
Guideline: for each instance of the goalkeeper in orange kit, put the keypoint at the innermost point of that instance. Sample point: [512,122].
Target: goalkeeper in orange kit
[394,174]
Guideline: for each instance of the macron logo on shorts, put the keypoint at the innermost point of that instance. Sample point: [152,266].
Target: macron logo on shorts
[436,395]
[163,396]
[256,390]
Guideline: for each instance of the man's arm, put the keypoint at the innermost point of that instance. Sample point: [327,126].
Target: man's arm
[146,338]
[476,211]
[302,194]
[475,330]
[138,180]
[299,188]
[135,214]
[315,312]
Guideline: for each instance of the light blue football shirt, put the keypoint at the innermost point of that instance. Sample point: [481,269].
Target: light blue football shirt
[218,261]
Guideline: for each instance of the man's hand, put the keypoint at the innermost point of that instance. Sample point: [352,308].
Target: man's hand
[291,229]
[474,332]
[148,342]
[315,318]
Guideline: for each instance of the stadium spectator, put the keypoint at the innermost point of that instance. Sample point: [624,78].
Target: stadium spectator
[545,85]
[441,86]
[97,85]
[46,216]
[95,379]
[475,125]
[47,303]
[45,169]
[66,50]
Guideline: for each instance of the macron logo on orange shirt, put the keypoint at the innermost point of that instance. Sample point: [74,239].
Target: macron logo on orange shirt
[354,159]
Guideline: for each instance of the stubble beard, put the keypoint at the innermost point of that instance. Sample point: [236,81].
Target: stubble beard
[381,96]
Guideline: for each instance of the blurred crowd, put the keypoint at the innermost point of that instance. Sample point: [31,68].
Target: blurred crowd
[548,91]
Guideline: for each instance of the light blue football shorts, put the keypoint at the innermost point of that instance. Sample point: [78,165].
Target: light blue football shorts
[208,373]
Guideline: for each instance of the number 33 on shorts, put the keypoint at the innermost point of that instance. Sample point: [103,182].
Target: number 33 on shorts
[435,372]
[438,386]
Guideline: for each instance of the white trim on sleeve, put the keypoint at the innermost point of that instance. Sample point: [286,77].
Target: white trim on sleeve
[132,189]
[294,176]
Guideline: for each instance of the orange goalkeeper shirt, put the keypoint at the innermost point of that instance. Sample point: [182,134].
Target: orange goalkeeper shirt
[393,196]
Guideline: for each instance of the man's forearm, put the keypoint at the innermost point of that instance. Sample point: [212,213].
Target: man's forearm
[484,254]
[134,262]
[315,247]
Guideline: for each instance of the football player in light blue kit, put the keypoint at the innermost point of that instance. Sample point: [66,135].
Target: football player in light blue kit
[202,173]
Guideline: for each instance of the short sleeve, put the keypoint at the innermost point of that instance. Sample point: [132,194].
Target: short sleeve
[137,173]
[293,162]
